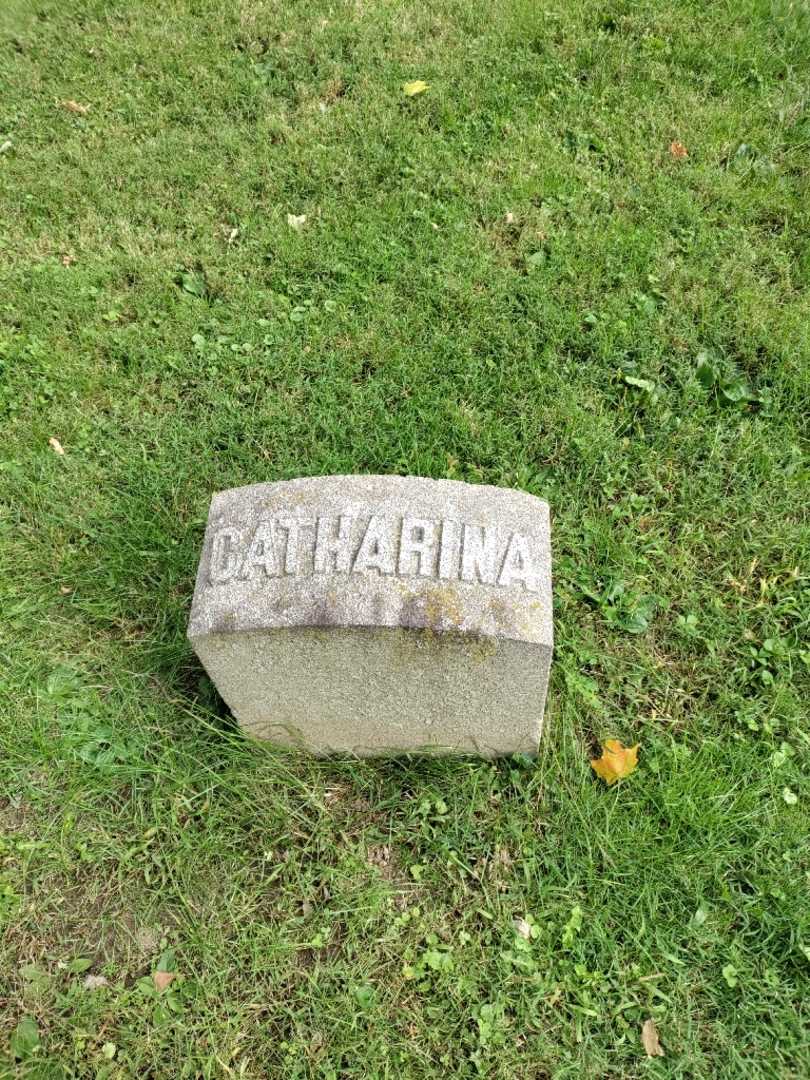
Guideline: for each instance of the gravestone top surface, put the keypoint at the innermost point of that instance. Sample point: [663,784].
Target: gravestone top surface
[355,563]
[376,551]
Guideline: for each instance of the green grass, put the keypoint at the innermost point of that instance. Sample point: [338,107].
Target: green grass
[508,279]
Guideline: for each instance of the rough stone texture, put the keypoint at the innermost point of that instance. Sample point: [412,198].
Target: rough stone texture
[377,614]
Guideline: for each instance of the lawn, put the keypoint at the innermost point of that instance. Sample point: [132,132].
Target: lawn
[232,249]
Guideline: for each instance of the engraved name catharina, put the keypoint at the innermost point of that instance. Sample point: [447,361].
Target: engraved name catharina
[286,544]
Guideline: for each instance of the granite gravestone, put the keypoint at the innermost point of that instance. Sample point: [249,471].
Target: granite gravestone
[376,614]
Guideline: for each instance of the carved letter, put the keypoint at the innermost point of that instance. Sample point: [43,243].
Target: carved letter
[293,526]
[518,564]
[262,552]
[479,551]
[449,550]
[225,558]
[332,552]
[419,546]
[376,551]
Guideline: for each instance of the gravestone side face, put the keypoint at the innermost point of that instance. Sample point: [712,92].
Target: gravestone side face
[378,614]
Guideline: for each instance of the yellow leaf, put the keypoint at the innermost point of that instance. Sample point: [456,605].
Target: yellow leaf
[161,979]
[75,107]
[56,446]
[649,1039]
[616,761]
[411,89]
[678,150]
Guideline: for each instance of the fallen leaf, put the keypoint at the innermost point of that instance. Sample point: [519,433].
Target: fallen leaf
[75,107]
[616,762]
[411,89]
[649,1039]
[5,146]
[65,590]
[95,982]
[316,1042]
[56,446]
[296,221]
[68,260]
[503,857]
[678,150]
[379,855]
[700,916]
[523,928]
[161,979]
[509,218]
[147,939]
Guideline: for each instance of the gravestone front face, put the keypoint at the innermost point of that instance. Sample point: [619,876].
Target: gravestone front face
[377,614]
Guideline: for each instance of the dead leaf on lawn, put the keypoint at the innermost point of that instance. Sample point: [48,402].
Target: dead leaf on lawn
[523,928]
[411,89]
[56,446]
[296,221]
[316,1042]
[68,260]
[333,91]
[147,939]
[95,982]
[678,150]
[616,762]
[75,107]
[649,1039]
[161,979]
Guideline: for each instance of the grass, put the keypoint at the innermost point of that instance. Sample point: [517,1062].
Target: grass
[509,279]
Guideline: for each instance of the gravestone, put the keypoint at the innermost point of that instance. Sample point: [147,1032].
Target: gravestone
[376,614]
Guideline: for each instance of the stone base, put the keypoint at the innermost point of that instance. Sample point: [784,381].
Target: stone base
[382,691]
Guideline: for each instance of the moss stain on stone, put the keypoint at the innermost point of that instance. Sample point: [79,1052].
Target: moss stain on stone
[443,608]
